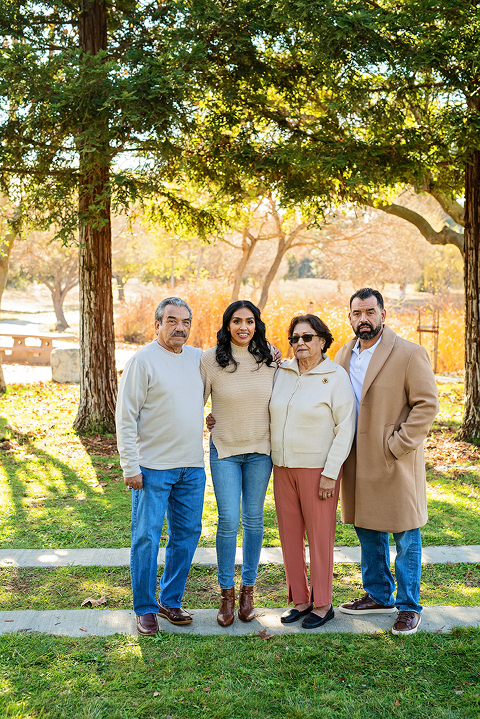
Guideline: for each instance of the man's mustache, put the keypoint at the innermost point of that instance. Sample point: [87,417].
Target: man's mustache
[179,334]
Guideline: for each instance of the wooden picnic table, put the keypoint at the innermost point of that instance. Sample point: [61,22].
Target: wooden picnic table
[23,351]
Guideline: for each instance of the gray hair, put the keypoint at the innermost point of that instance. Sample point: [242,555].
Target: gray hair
[176,302]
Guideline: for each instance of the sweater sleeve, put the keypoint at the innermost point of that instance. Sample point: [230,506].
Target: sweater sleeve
[344,417]
[207,383]
[132,394]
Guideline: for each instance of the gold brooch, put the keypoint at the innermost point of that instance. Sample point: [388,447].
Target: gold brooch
[325,380]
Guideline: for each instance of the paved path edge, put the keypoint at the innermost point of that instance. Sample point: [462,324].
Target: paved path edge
[91,622]
[206,556]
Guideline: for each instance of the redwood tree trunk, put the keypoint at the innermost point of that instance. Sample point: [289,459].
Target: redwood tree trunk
[98,379]
[470,430]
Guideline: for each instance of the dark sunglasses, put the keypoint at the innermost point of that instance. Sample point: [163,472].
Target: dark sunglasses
[306,338]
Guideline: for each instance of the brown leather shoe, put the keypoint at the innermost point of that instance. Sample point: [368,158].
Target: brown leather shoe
[175,615]
[365,605]
[147,625]
[406,623]
[246,610]
[226,613]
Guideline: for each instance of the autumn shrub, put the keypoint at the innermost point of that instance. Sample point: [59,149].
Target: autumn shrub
[208,300]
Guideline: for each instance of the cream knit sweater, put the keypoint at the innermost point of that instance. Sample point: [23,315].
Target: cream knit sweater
[312,417]
[239,402]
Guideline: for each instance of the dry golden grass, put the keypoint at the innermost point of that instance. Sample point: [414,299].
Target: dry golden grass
[208,300]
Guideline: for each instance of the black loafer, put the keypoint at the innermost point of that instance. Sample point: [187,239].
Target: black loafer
[313,620]
[293,615]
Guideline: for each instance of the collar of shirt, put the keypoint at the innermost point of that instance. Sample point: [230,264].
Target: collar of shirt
[370,350]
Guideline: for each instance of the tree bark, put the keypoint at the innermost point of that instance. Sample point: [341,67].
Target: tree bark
[5,252]
[98,379]
[470,430]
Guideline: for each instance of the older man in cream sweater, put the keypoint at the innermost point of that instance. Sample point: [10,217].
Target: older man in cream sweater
[159,433]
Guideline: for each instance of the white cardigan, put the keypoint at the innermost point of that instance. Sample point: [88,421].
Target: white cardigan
[312,417]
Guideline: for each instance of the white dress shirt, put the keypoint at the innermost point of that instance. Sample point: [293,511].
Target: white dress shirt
[359,362]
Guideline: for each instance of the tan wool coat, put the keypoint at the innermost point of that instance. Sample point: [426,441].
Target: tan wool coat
[384,483]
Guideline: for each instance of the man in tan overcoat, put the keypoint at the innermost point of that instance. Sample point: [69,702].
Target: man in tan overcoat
[384,486]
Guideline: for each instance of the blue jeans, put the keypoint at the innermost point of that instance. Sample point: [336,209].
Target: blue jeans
[179,493]
[245,476]
[377,578]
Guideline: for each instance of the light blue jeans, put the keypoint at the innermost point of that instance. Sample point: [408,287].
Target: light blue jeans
[179,493]
[377,578]
[240,479]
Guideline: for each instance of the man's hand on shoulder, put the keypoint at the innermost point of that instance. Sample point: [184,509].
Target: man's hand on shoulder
[134,482]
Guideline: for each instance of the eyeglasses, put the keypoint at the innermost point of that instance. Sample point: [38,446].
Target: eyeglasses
[306,338]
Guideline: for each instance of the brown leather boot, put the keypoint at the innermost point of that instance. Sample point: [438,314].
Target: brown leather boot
[226,614]
[246,610]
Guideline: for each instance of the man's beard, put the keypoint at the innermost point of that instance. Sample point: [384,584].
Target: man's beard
[368,334]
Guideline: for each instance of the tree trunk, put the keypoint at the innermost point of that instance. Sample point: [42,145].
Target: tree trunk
[57,298]
[120,282]
[282,247]
[470,430]
[5,252]
[247,249]
[98,379]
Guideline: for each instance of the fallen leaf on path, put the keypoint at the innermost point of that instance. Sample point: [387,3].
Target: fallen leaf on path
[262,633]
[82,629]
[8,620]
[28,629]
[94,602]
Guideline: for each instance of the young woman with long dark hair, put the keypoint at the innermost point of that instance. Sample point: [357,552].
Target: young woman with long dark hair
[238,373]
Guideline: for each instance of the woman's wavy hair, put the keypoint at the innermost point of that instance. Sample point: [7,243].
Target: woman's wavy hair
[258,346]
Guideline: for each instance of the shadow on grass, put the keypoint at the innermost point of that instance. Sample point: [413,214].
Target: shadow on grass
[65,509]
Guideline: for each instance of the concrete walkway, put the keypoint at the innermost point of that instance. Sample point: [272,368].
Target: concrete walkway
[94,622]
[206,556]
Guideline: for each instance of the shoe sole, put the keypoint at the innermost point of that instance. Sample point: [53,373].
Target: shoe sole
[360,612]
[399,633]
[180,623]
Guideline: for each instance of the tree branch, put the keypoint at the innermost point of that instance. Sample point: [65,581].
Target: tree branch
[446,236]
[451,207]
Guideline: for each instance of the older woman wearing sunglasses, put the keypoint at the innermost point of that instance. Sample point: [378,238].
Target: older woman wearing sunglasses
[312,414]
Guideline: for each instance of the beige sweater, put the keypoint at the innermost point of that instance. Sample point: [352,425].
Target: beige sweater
[312,417]
[160,410]
[239,402]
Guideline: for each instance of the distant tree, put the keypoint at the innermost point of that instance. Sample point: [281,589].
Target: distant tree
[49,262]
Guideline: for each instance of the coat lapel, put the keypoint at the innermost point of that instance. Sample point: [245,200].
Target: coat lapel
[379,358]
[346,354]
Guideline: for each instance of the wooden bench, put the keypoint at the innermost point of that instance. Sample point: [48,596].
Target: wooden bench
[30,347]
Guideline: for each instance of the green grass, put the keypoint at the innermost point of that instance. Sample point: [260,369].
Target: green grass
[67,587]
[58,490]
[426,676]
